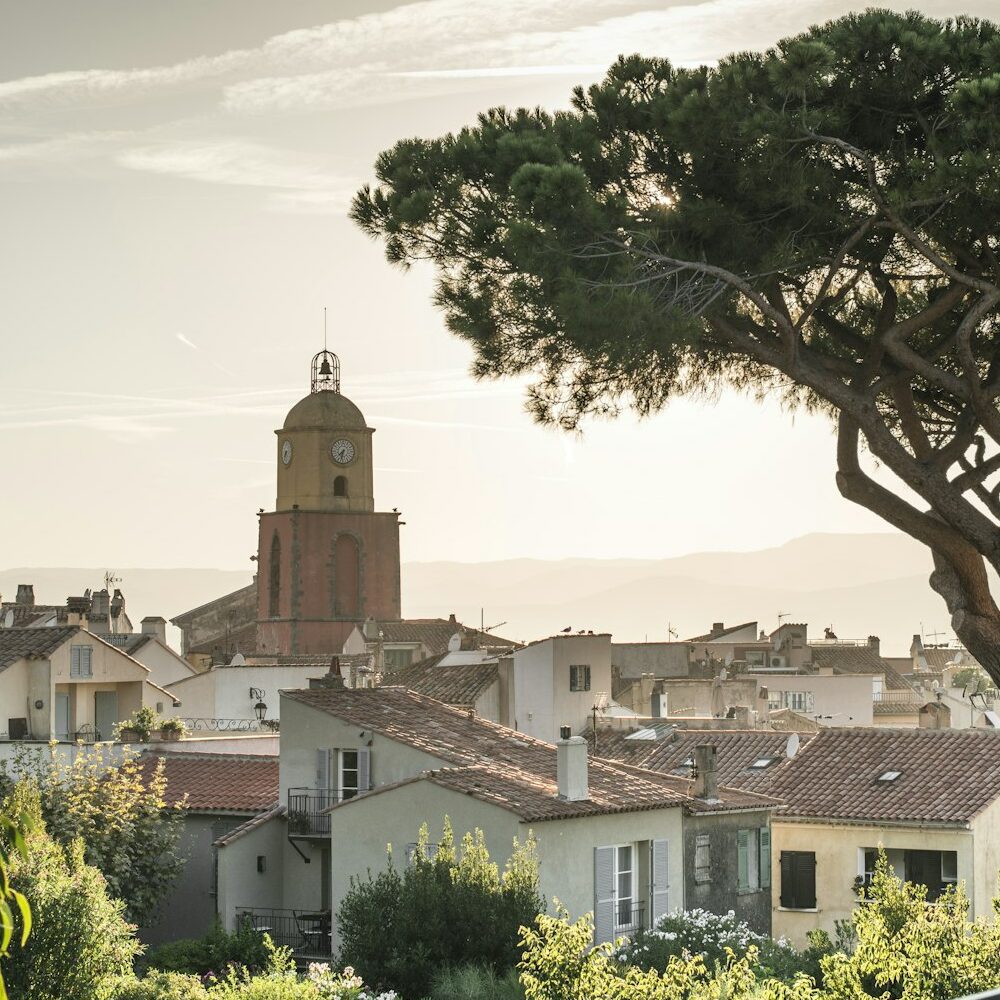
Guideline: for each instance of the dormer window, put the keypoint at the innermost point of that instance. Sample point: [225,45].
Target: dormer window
[889,776]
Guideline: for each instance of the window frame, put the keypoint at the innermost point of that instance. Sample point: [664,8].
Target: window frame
[702,858]
[576,671]
[618,898]
[791,897]
[77,660]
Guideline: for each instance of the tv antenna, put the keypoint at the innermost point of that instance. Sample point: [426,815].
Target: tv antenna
[110,578]
[783,614]
[671,632]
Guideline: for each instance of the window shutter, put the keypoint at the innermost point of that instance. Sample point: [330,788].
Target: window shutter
[743,859]
[604,894]
[805,877]
[364,770]
[787,888]
[323,770]
[74,661]
[660,889]
[85,662]
[765,857]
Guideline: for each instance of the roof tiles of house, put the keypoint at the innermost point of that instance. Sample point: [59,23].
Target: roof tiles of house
[23,615]
[857,660]
[457,684]
[944,775]
[911,707]
[499,765]
[436,633]
[32,643]
[737,750]
[214,782]
[721,636]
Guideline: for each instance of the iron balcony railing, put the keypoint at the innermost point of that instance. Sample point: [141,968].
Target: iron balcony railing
[306,932]
[628,918]
[307,816]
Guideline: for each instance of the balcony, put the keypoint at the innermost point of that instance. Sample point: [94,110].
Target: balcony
[307,810]
[306,932]
[629,919]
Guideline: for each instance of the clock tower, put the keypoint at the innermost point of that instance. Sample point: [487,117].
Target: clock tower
[327,560]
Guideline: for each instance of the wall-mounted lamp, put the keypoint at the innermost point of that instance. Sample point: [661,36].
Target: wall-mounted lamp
[260,710]
[39,703]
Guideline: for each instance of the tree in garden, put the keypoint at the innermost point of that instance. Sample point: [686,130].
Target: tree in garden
[14,905]
[119,813]
[818,220]
[401,926]
[80,941]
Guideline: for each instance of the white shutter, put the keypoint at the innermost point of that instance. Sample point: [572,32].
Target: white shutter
[86,664]
[765,857]
[604,894]
[659,868]
[323,769]
[364,770]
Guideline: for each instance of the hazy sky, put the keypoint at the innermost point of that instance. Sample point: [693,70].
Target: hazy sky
[173,188]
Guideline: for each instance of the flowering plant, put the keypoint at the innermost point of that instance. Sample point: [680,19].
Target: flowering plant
[346,985]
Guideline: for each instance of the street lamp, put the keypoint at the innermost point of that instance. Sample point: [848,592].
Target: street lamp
[259,709]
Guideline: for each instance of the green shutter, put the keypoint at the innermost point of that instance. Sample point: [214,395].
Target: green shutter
[743,859]
[765,857]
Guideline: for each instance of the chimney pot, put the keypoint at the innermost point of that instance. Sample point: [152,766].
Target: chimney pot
[26,594]
[874,642]
[156,627]
[718,627]
[706,782]
[452,620]
[571,767]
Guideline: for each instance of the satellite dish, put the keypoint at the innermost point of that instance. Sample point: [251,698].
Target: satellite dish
[601,702]
[238,660]
[8,619]
[792,746]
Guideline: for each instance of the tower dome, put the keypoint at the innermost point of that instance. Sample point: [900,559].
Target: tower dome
[325,406]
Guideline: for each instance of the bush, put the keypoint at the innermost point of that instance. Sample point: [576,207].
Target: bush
[215,953]
[160,986]
[401,928]
[476,982]
[80,941]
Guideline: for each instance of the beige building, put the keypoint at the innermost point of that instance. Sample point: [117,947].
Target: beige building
[63,682]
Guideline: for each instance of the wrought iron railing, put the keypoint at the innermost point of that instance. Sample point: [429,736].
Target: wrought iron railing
[629,919]
[307,810]
[306,932]
[194,724]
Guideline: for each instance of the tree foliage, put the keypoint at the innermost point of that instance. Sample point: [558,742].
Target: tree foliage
[817,221]
[80,941]
[401,926]
[118,811]
[14,906]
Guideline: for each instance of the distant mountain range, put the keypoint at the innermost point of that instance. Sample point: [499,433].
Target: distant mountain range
[861,585]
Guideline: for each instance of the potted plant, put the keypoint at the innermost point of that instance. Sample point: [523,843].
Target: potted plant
[142,724]
[173,729]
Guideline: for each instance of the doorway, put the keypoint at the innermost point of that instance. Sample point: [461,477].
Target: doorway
[105,713]
[62,716]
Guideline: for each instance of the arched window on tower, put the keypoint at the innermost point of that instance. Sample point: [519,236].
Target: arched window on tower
[340,486]
[347,576]
[274,578]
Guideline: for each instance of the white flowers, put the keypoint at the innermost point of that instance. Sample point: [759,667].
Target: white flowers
[346,985]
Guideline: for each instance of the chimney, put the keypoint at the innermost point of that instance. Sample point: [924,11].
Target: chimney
[571,767]
[706,782]
[452,620]
[874,643]
[156,627]
[718,628]
[100,604]
[26,594]
[117,603]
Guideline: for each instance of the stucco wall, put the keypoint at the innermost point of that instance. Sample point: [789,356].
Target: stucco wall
[836,848]
[986,864]
[842,700]
[240,883]
[362,830]
[14,700]
[721,893]
[165,666]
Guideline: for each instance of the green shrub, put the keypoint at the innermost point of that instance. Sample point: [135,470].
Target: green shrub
[215,953]
[80,941]
[400,928]
[187,955]
[160,986]
[476,982]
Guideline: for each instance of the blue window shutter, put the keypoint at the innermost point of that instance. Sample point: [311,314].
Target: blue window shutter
[660,882]
[765,857]
[323,767]
[743,859]
[604,894]
[74,661]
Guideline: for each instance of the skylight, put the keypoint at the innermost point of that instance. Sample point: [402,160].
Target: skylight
[761,762]
[889,776]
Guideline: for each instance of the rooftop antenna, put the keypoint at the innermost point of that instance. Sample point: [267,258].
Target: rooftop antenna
[783,614]
[110,578]
[324,328]
[671,632]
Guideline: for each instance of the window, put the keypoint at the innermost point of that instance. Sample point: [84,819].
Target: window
[81,661]
[396,659]
[797,701]
[755,657]
[274,578]
[343,773]
[889,776]
[876,686]
[348,773]
[631,883]
[762,762]
[703,858]
[340,486]
[798,880]
[579,677]
[747,860]
[624,886]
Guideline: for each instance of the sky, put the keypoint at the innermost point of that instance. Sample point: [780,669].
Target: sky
[174,183]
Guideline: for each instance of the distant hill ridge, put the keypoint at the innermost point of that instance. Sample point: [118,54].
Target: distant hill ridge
[861,584]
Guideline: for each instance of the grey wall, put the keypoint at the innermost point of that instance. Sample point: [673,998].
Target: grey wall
[721,894]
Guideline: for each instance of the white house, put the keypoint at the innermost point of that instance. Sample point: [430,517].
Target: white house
[610,837]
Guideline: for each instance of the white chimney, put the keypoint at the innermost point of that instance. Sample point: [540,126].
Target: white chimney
[156,627]
[571,767]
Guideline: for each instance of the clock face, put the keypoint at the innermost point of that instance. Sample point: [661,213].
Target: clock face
[342,451]
[286,452]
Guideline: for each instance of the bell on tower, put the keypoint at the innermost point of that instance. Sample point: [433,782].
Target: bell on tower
[325,372]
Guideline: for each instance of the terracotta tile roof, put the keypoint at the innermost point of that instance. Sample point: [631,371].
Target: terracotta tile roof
[436,633]
[784,720]
[721,636]
[897,707]
[218,782]
[946,775]
[736,751]
[460,684]
[135,643]
[857,660]
[486,759]
[25,614]
[273,811]
[32,643]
